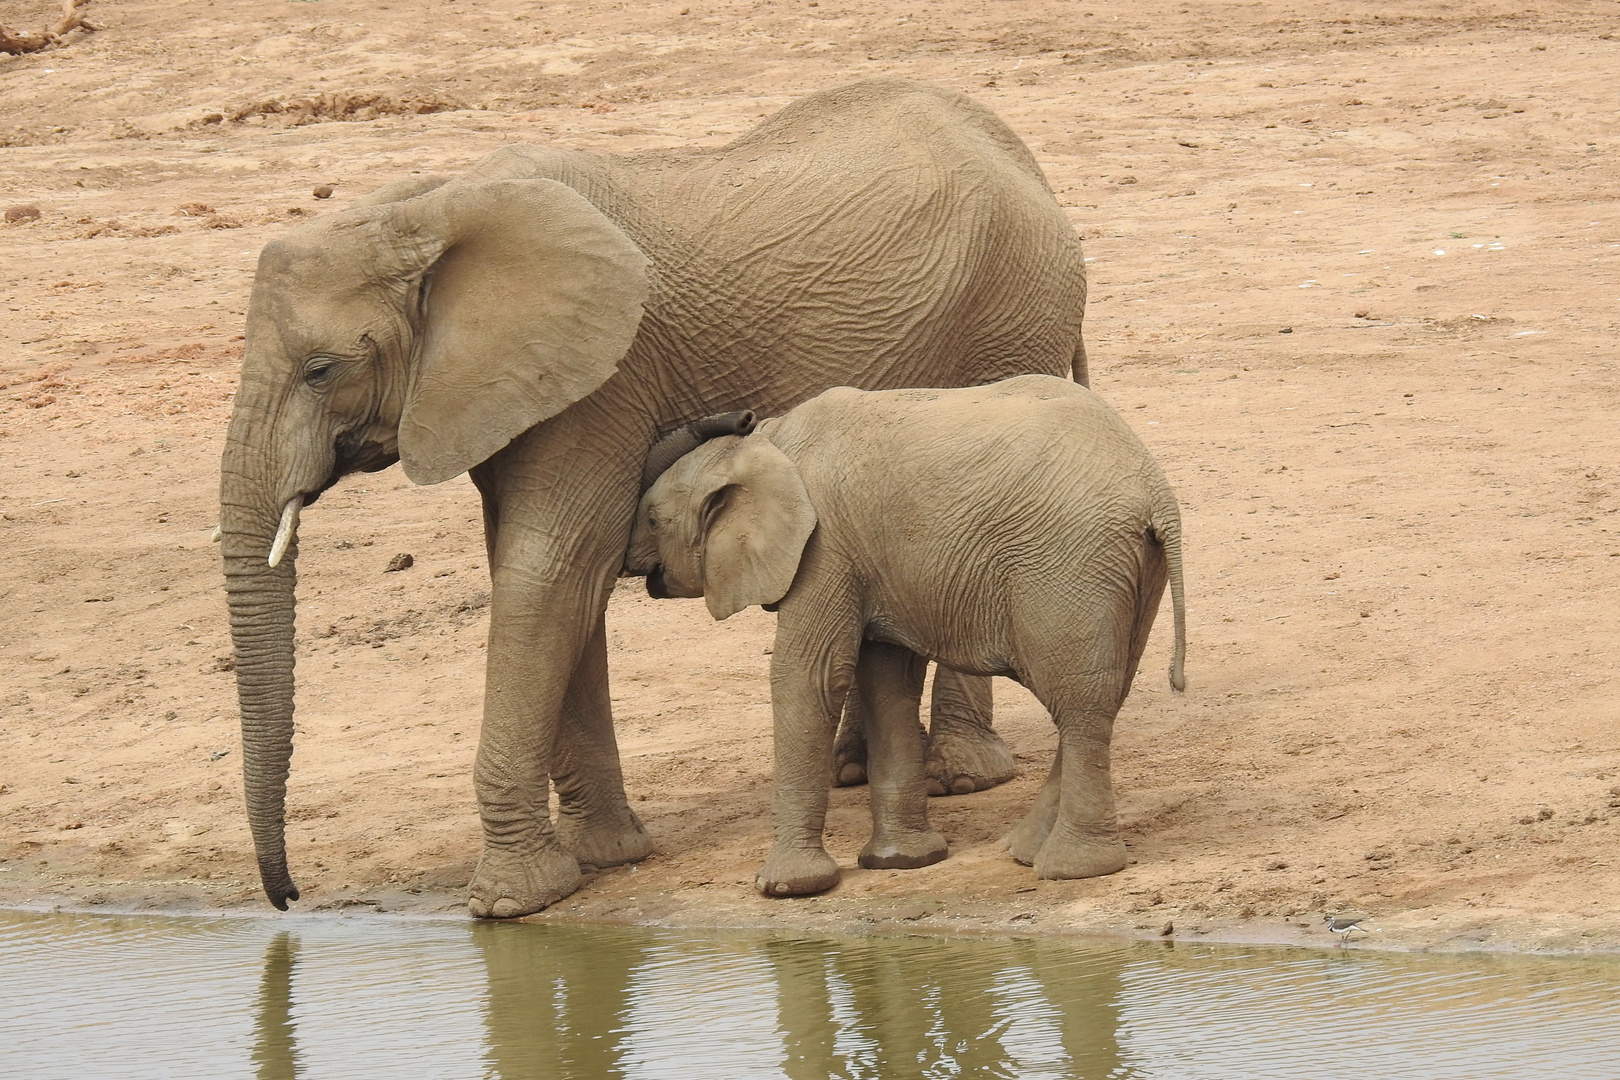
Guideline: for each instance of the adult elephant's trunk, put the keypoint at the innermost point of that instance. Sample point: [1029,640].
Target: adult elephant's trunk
[261,600]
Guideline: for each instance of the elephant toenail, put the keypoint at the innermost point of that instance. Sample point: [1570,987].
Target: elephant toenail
[780,888]
[963,785]
[504,908]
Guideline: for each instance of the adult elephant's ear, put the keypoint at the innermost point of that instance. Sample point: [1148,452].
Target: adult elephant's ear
[755,520]
[532,303]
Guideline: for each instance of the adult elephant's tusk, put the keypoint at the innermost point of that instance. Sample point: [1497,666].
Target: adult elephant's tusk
[287,530]
[216,535]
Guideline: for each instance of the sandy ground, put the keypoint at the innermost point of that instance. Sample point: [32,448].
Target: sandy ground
[1354,280]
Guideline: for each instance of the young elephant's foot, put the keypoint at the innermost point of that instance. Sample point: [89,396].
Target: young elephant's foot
[849,754]
[1089,854]
[598,843]
[513,881]
[964,757]
[1025,840]
[904,851]
[797,872]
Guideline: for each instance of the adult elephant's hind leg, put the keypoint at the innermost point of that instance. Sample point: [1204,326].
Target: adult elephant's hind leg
[964,753]
[594,820]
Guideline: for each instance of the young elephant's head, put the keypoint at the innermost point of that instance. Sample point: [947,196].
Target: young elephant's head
[727,522]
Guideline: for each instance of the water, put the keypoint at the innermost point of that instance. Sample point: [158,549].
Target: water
[127,997]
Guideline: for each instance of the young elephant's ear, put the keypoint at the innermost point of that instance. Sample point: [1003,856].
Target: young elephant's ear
[532,299]
[755,525]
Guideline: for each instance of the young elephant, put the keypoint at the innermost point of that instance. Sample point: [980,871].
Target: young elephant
[1014,529]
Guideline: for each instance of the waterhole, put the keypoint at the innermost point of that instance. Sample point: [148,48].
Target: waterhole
[90,996]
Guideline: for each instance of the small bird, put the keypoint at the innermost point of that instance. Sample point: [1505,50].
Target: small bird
[1342,926]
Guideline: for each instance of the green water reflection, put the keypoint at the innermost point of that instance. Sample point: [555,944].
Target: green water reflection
[309,998]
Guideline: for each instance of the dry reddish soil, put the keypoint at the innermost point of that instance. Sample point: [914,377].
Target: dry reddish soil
[1355,279]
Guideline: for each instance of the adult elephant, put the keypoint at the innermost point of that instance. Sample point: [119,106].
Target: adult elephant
[540,321]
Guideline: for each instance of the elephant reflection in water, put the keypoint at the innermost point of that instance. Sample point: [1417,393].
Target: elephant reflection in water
[559,998]
[558,1002]
[567,1002]
[562,1004]
[882,1007]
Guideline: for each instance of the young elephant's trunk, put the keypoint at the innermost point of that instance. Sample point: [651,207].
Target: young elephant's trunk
[683,440]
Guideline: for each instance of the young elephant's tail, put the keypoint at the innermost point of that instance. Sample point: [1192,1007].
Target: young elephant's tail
[1165,520]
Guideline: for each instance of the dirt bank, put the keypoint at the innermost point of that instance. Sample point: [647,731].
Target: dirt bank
[1354,280]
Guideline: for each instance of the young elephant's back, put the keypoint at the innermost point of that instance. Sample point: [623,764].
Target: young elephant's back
[1025,441]
[971,504]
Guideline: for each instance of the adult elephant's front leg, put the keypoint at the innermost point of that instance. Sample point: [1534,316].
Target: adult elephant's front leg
[964,752]
[594,820]
[556,534]
[523,868]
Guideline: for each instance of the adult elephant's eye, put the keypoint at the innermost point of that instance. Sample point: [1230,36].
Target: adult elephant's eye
[317,372]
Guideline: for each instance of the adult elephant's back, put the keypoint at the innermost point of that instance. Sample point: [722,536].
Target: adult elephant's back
[883,234]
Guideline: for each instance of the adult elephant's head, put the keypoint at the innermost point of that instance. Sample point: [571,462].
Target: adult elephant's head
[429,330]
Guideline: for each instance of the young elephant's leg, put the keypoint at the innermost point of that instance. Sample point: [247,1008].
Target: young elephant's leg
[1082,677]
[810,676]
[964,753]
[1025,840]
[1084,839]
[849,748]
[889,682]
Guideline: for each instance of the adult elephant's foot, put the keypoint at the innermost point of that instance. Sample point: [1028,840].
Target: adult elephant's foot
[513,881]
[601,840]
[1084,854]
[965,757]
[797,871]
[904,850]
